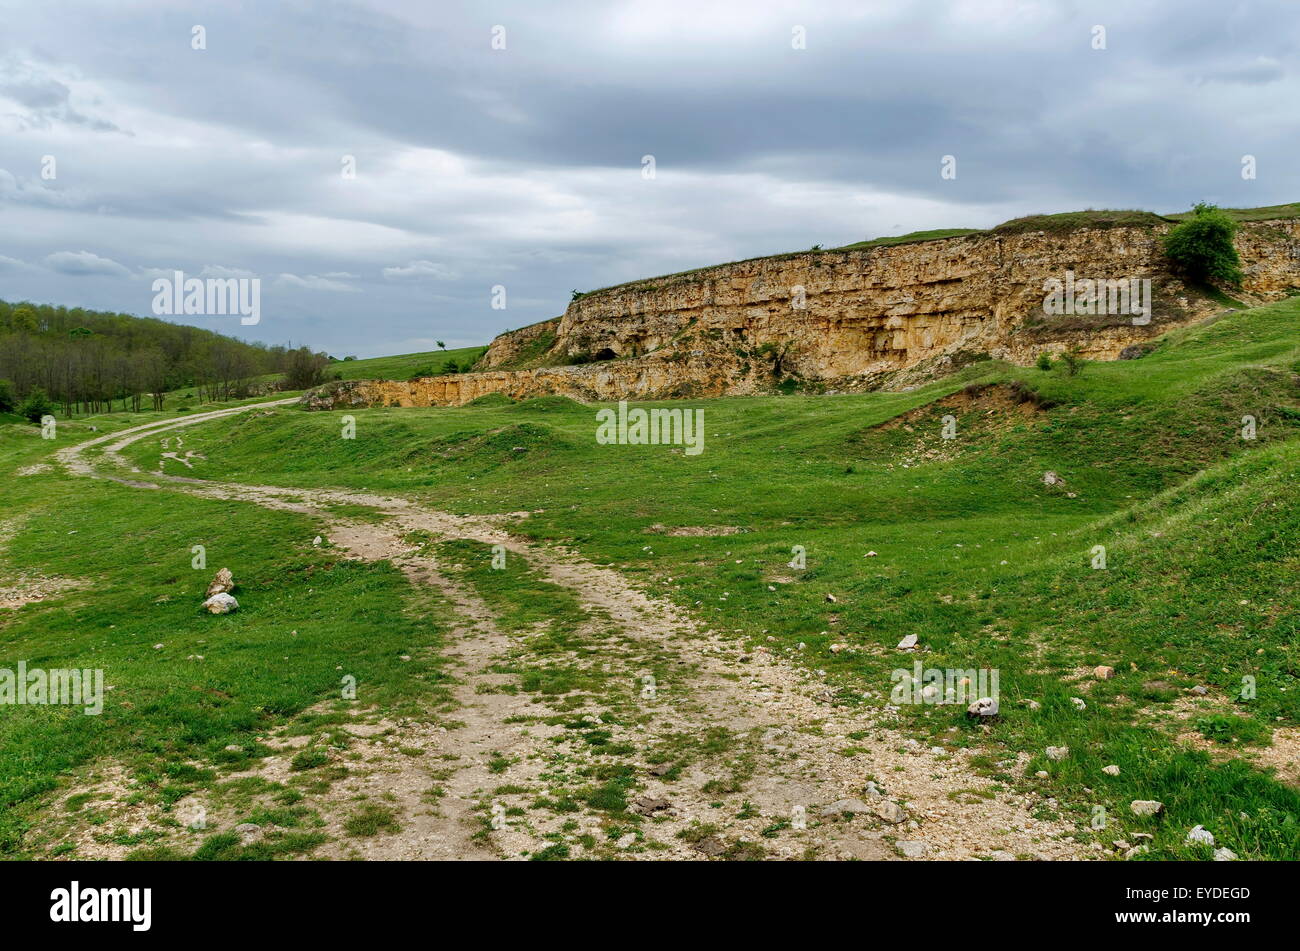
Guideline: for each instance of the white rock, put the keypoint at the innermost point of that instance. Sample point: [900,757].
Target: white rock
[1201,834]
[891,812]
[1057,753]
[1078,703]
[221,603]
[912,848]
[983,707]
[627,841]
[1111,770]
[846,807]
[1032,704]
[1104,672]
[907,643]
[316,541]
[1225,855]
[1146,807]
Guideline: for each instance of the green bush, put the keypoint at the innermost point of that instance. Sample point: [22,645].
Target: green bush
[1044,362]
[1201,247]
[36,405]
[7,402]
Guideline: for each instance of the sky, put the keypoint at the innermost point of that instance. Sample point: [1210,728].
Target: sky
[394,172]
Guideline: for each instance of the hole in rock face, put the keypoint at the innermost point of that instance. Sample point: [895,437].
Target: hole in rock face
[606,354]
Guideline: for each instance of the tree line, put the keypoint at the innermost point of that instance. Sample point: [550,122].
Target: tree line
[85,361]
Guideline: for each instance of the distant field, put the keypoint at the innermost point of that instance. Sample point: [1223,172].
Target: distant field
[403,366]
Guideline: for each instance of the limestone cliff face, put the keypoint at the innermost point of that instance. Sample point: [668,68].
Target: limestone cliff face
[845,319]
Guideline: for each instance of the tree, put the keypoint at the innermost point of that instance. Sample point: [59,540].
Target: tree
[1073,360]
[6,397]
[441,345]
[1201,247]
[36,405]
[305,369]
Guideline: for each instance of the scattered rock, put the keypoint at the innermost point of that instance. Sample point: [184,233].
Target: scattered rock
[224,582]
[710,846]
[627,841]
[1057,753]
[660,769]
[912,848]
[1051,478]
[1146,807]
[1225,855]
[316,541]
[234,748]
[907,643]
[846,807]
[248,832]
[1111,770]
[830,598]
[1137,850]
[983,707]
[1032,704]
[1078,703]
[648,805]
[891,812]
[1104,673]
[221,603]
[1201,835]
[1200,690]
[872,791]
[1001,856]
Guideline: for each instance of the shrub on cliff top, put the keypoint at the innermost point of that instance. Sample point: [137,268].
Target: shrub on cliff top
[1201,247]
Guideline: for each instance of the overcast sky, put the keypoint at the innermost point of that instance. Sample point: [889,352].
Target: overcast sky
[523,166]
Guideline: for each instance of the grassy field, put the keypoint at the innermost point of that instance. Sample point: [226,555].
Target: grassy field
[960,542]
[973,552]
[404,366]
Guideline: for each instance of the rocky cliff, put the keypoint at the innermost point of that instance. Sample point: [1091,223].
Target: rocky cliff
[848,319]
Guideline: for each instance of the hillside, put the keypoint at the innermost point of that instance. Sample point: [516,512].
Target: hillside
[623,561]
[882,314]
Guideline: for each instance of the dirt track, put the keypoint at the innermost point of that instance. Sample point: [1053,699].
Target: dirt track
[757,741]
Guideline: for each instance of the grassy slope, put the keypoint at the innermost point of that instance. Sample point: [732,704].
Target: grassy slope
[402,366]
[1062,221]
[304,612]
[975,555]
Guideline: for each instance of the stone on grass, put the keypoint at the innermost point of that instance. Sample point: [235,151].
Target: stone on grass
[1225,855]
[224,582]
[983,707]
[907,643]
[1111,770]
[221,603]
[1058,753]
[1104,673]
[1146,807]
[1201,835]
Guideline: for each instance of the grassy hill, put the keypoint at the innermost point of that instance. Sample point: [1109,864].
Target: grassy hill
[406,365]
[961,542]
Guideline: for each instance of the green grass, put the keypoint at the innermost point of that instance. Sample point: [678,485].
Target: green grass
[911,238]
[403,366]
[989,566]
[303,612]
[985,563]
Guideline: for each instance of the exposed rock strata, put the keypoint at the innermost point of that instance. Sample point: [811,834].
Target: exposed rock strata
[844,319]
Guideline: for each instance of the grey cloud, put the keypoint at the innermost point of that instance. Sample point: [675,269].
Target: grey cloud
[84,262]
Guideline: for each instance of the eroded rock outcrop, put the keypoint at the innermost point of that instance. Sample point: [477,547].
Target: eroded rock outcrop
[850,319]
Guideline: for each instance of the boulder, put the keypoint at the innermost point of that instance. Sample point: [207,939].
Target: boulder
[1146,807]
[223,583]
[846,807]
[891,812]
[983,707]
[221,603]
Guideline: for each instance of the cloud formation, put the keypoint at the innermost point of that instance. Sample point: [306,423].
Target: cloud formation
[381,166]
